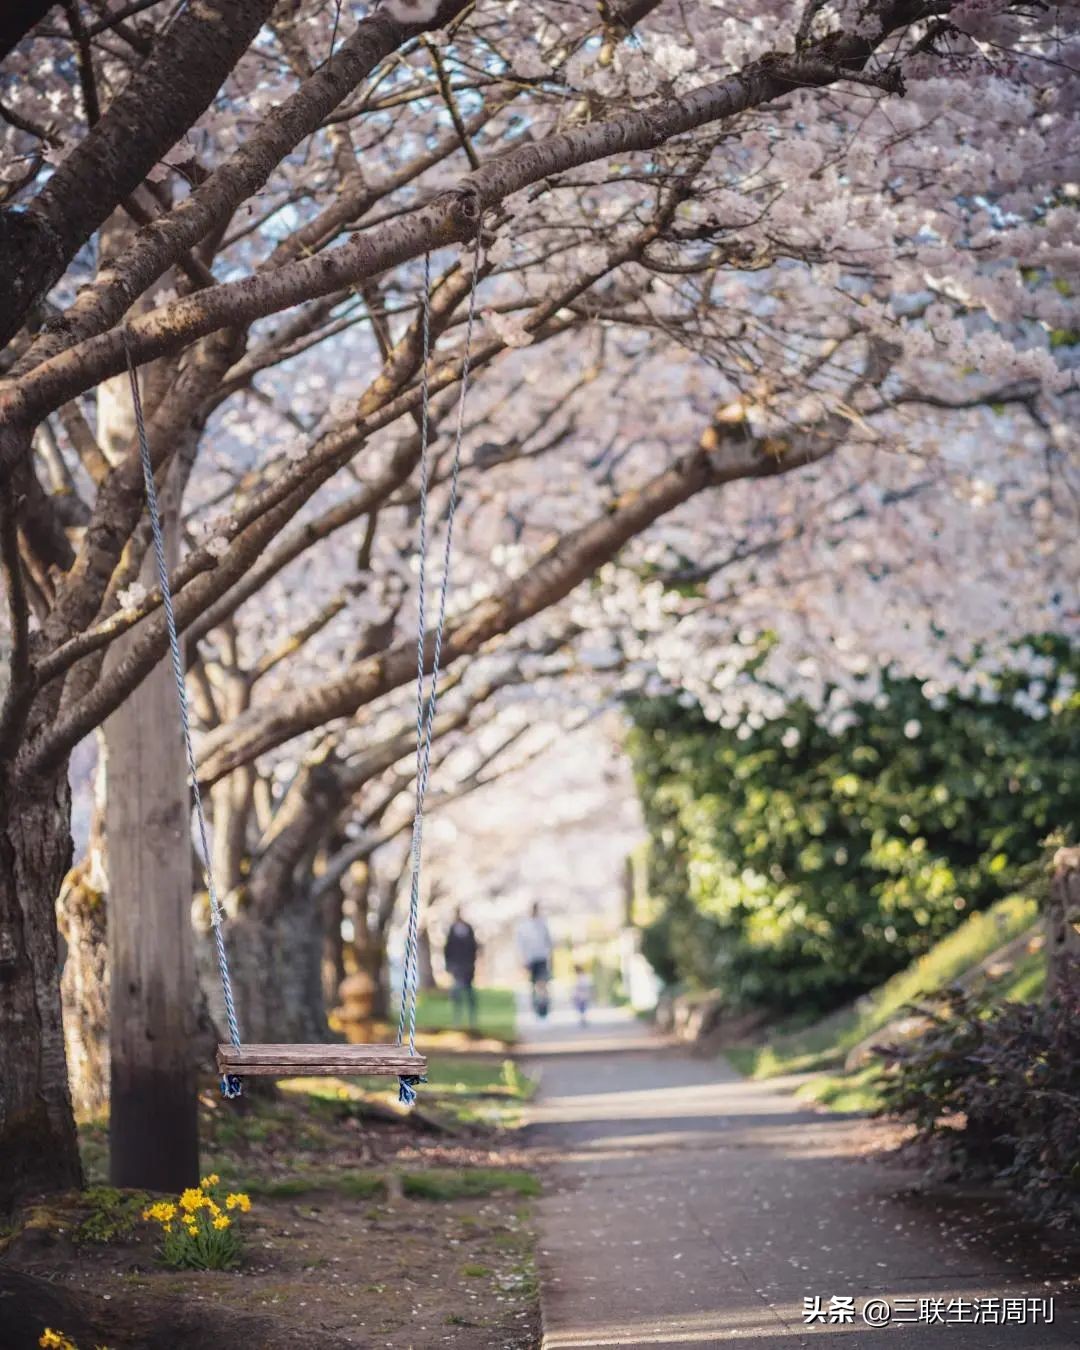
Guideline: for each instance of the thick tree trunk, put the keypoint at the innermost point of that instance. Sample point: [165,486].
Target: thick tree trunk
[153,1129]
[82,917]
[276,935]
[153,1136]
[333,959]
[38,1146]
[1063,921]
[369,954]
[276,966]
[17,21]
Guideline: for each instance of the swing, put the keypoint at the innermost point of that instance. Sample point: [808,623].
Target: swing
[236,1060]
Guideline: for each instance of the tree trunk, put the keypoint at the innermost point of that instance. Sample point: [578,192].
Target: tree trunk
[153,1136]
[369,953]
[38,1144]
[333,959]
[1063,921]
[276,967]
[425,971]
[153,1133]
[82,917]
[276,936]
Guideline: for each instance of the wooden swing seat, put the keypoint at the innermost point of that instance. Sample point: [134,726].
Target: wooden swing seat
[304,1061]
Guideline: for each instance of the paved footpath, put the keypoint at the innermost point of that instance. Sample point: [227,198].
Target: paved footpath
[687,1207]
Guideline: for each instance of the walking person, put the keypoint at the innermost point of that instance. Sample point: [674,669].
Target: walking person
[459,956]
[535,948]
[582,993]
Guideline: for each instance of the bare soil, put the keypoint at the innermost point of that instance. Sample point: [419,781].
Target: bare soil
[343,1246]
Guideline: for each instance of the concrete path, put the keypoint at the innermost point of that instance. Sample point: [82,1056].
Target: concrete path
[686,1207]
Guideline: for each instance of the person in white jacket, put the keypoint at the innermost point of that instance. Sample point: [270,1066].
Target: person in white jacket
[535,948]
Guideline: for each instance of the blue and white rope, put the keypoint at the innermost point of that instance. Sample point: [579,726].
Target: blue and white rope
[230,1084]
[425,717]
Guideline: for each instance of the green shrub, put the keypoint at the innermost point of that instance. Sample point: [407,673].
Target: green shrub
[112,1214]
[827,1042]
[995,1091]
[797,866]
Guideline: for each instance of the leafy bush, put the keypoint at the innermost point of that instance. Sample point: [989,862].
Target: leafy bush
[796,865]
[996,1092]
[112,1214]
[826,1043]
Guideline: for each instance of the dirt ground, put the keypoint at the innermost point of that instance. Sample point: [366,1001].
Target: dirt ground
[363,1232]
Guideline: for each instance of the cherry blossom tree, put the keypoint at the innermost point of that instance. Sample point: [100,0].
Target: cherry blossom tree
[772,326]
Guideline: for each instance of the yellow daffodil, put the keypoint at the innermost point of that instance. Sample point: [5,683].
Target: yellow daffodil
[162,1211]
[191,1244]
[54,1340]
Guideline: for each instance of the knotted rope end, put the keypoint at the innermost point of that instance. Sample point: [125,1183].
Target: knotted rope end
[231,1086]
[407,1085]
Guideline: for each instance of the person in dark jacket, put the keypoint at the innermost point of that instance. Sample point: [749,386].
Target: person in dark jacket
[459,954]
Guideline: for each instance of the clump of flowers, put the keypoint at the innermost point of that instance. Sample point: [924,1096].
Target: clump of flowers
[56,1340]
[199,1231]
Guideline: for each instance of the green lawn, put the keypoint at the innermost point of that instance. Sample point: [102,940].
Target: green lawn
[477,1074]
[456,1183]
[857,1091]
[437,1183]
[825,1044]
[496,1013]
[485,1089]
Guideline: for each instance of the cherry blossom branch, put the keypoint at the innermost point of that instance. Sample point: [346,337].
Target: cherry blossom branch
[725,455]
[166,94]
[161,243]
[450,218]
[272,509]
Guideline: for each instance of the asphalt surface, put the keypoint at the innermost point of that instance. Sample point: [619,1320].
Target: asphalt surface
[687,1207]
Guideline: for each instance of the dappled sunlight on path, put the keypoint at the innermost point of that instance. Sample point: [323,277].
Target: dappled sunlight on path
[685,1206]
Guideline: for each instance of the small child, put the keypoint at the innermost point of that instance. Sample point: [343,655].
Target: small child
[582,992]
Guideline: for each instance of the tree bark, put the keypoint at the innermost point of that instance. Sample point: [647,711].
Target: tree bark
[277,974]
[1063,922]
[369,953]
[82,918]
[165,96]
[153,1137]
[17,21]
[333,958]
[425,970]
[38,1144]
